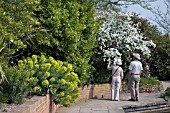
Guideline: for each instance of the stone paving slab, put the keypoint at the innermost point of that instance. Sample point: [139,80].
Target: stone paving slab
[108,106]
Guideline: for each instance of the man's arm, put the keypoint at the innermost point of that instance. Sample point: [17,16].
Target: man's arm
[141,69]
[130,68]
[140,72]
[130,72]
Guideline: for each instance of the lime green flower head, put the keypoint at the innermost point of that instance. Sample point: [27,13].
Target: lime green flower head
[25,61]
[32,72]
[67,74]
[45,83]
[43,66]
[55,64]
[63,69]
[40,73]
[72,86]
[68,97]
[52,80]
[33,80]
[30,64]
[37,89]
[69,67]
[61,94]
[60,63]
[47,74]
[54,90]
[20,64]
[36,66]
[62,82]
[42,59]
[74,74]
[51,59]
[34,59]
[46,66]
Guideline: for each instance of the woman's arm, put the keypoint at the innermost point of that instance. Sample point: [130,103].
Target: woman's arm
[121,74]
[109,66]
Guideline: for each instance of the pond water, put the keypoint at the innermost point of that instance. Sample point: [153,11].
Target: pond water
[159,111]
[161,107]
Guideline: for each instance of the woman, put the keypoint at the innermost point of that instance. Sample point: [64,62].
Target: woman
[117,76]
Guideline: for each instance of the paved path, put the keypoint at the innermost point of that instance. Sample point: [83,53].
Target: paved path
[166,84]
[108,106]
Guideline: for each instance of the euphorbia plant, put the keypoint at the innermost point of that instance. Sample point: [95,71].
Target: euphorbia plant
[51,76]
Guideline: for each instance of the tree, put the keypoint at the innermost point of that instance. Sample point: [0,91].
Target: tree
[68,34]
[16,25]
[116,5]
[119,37]
[16,22]
[159,62]
[161,18]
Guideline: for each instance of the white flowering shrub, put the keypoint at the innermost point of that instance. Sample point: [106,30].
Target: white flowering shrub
[120,37]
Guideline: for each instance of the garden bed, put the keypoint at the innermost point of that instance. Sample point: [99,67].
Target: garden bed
[41,104]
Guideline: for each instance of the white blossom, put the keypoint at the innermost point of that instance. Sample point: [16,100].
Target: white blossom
[119,36]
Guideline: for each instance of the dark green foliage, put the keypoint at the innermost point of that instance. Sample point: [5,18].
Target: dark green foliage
[159,61]
[162,95]
[1,105]
[4,98]
[15,90]
[101,74]
[150,80]
[167,92]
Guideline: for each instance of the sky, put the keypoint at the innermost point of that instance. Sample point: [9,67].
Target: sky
[146,13]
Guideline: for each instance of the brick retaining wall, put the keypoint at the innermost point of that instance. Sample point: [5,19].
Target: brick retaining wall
[104,90]
[94,91]
[42,104]
[37,104]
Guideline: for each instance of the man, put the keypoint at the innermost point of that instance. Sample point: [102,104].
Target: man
[135,70]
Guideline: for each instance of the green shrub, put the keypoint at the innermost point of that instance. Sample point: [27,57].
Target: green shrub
[4,98]
[162,95]
[50,76]
[15,90]
[1,106]
[167,92]
[150,80]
